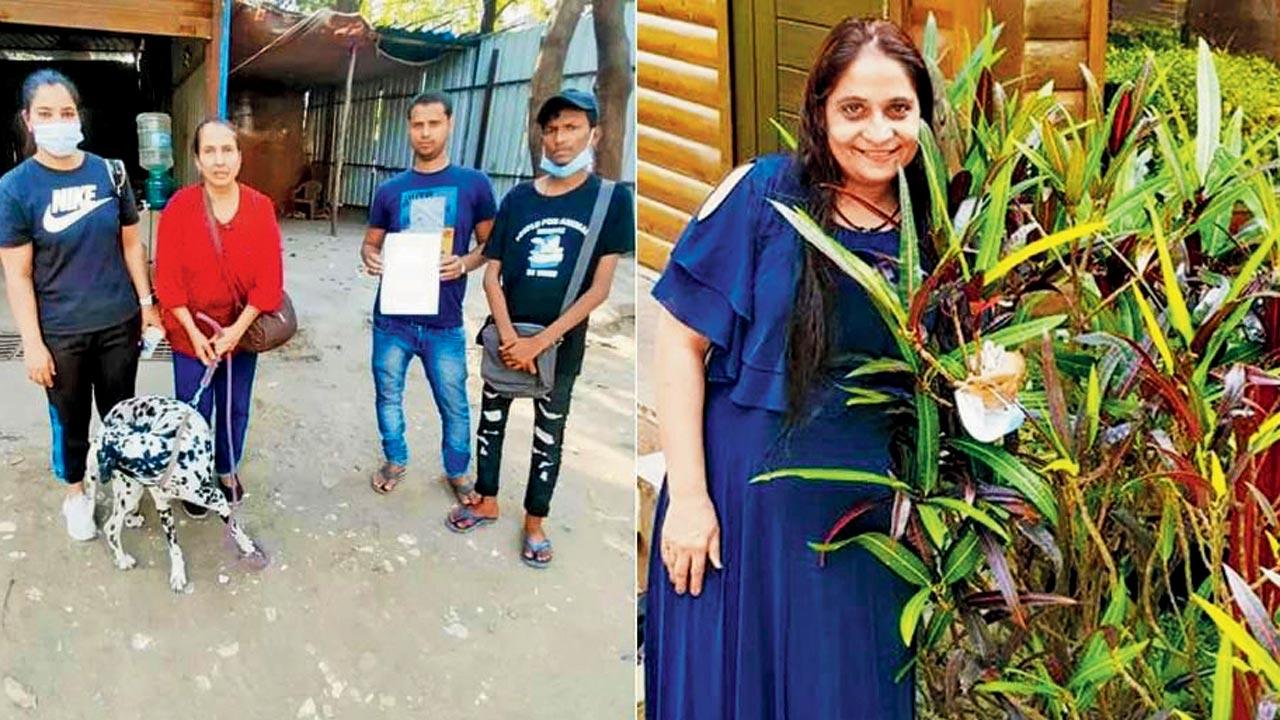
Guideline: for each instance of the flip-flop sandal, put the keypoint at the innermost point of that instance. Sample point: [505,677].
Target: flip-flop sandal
[384,482]
[461,490]
[462,519]
[531,551]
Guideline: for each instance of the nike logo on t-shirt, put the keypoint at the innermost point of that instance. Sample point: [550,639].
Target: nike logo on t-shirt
[67,206]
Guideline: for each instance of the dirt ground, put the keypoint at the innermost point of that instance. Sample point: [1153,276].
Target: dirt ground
[371,607]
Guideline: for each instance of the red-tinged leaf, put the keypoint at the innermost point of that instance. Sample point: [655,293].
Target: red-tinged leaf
[854,513]
[994,552]
[1209,327]
[1053,392]
[1254,613]
[1191,481]
[1160,383]
[978,307]
[1121,122]
[1040,536]
[958,190]
[983,104]
[920,303]
[1018,507]
[901,512]
[1264,504]
[917,539]
[993,598]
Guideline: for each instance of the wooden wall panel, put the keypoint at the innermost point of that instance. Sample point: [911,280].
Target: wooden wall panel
[678,39]
[1057,19]
[1057,60]
[680,79]
[683,105]
[176,18]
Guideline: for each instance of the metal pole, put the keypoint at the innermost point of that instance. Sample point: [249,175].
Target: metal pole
[334,203]
[486,105]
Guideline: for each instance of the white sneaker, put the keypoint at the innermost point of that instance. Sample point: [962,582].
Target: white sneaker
[78,510]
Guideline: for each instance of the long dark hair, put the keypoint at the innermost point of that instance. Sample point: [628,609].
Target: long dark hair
[810,334]
[33,82]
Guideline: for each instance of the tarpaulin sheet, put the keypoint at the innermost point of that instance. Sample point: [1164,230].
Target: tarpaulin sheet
[270,43]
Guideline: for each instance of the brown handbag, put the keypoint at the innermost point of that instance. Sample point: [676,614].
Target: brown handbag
[269,330]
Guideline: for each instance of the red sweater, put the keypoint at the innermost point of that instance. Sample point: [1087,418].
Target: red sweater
[187,273]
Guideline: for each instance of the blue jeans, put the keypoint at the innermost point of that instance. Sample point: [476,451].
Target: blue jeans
[187,372]
[443,352]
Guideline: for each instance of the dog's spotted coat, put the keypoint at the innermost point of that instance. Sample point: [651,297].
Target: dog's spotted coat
[134,447]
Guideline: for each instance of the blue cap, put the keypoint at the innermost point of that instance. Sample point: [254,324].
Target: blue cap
[568,98]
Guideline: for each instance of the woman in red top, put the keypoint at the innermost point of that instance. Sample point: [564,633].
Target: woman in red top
[194,285]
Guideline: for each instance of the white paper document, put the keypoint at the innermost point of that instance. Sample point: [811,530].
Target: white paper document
[411,274]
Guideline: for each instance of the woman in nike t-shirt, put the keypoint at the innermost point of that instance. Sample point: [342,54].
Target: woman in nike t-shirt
[76,276]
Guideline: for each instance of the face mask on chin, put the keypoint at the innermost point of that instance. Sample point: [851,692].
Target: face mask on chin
[59,139]
[584,159]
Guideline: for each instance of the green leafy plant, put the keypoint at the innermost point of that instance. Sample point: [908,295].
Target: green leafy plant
[1109,280]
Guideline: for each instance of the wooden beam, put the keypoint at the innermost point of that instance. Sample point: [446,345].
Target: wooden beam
[676,39]
[694,83]
[142,19]
[827,13]
[798,43]
[1057,19]
[1011,14]
[213,66]
[661,220]
[671,188]
[1098,22]
[790,90]
[1057,60]
[691,120]
[724,84]
[652,252]
[334,202]
[700,12]
[676,153]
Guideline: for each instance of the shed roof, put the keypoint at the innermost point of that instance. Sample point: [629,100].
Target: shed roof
[269,42]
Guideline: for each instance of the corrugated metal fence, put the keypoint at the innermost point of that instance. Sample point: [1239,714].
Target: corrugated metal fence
[378,143]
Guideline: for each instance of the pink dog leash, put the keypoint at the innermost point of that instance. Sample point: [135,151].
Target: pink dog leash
[205,381]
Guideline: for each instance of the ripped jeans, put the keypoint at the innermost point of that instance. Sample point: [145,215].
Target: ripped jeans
[549,416]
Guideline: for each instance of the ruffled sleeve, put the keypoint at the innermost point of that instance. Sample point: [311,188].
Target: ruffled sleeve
[707,283]
[728,280]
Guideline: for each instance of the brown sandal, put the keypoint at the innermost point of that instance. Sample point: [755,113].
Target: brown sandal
[384,480]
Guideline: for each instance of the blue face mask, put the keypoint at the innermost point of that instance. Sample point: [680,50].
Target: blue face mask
[59,139]
[583,160]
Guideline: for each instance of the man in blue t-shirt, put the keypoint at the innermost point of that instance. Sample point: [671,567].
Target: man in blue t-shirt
[432,196]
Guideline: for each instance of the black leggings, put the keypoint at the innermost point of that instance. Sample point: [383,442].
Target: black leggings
[100,365]
[549,416]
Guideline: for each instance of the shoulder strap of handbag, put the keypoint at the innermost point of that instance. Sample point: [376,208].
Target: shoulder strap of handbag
[215,235]
[588,243]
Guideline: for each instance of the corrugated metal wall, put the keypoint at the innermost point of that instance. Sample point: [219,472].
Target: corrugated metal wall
[378,143]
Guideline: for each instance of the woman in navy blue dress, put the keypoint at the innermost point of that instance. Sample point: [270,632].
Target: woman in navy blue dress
[742,622]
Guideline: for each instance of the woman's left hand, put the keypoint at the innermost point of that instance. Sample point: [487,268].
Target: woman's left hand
[226,341]
[151,318]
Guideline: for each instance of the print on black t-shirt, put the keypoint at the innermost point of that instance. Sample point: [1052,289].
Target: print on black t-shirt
[538,239]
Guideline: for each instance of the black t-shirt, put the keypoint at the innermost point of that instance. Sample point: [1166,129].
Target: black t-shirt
[538,239]
[73,218]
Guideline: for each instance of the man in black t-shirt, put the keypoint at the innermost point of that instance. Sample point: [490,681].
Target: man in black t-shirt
[534,246]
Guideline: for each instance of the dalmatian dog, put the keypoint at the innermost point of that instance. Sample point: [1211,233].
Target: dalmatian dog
[164,446]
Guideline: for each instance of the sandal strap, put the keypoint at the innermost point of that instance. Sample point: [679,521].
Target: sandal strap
[537,547]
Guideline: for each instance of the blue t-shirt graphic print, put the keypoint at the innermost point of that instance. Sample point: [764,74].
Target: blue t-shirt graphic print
[72,218]
[450,201]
